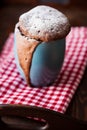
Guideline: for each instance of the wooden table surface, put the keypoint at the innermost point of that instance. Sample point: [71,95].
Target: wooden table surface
[78,17]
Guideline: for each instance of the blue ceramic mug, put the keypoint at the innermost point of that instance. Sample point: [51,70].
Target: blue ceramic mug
[46,62]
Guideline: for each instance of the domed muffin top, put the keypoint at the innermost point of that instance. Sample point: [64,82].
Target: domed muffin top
[44,23]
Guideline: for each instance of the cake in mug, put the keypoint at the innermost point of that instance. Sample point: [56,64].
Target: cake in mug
[40,44]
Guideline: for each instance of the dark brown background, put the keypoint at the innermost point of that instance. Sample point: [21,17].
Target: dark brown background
[76,11]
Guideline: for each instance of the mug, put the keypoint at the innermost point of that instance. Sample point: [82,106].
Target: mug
[46,62]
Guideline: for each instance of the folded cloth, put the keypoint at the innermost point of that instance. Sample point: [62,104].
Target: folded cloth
[14,89]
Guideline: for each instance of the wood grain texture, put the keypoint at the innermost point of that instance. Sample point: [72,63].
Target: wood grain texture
[20,2]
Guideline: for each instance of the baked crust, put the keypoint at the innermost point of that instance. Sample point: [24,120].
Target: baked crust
[44,23]
[25,48]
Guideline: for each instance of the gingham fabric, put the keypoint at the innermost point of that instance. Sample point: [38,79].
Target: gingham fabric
[14,90]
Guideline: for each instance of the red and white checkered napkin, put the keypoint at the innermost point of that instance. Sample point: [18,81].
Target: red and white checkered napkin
[14,90]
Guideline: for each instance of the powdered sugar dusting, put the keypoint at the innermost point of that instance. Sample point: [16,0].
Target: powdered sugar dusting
[43,22]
